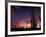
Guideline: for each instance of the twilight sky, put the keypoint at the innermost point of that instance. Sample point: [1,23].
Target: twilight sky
[23,13]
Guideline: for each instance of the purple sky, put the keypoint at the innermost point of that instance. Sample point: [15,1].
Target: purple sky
[23,13]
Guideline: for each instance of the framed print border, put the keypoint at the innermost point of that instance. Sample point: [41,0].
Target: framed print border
[6,18]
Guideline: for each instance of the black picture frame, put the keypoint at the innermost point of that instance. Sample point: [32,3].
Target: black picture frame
[6,18]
